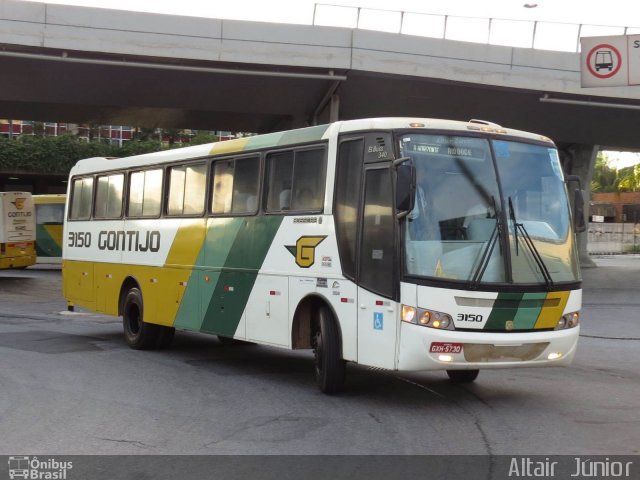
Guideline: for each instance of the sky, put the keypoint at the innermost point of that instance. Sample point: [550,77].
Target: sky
[618,160]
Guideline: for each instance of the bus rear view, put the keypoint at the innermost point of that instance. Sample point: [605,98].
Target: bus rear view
[17,230]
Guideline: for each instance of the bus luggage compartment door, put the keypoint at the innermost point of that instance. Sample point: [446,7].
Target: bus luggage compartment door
[78,281]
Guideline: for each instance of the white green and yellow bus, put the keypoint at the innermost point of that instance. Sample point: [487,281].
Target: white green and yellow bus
[398,243]
[49,223]
[17,230]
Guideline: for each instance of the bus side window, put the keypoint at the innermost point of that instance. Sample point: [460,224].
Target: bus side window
[187,187]
[235,186]
[348,180]
[280,172]
[245,185]
[109,196]
[50,214]
[308,179]
[81,196]
[222,186]
[296,180]
[145,192]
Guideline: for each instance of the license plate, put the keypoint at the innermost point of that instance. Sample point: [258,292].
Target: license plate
[445,347]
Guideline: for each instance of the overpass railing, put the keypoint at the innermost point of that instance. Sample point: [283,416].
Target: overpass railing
[536,34]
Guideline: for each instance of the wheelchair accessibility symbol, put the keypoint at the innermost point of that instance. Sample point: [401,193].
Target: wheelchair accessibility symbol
[378,321]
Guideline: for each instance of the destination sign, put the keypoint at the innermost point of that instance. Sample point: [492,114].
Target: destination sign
[448,149]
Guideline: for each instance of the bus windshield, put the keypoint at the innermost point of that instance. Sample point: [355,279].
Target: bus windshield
[538,213]
[457,230]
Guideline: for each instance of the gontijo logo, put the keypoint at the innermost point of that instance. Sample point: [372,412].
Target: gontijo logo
[19,203]
[305,250]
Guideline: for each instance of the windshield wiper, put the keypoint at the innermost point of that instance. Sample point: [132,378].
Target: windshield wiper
[512,216]
[529,243]
[488,249]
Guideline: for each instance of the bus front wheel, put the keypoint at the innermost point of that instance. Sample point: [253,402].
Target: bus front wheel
[462,376]
[138,334]
[329,366]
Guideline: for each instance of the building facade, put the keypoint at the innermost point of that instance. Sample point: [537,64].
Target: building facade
[616,207]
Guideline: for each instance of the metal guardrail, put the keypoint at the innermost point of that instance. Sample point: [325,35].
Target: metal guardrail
[536,28]
[613,238]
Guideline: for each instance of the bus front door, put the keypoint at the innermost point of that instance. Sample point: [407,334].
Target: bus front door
[377,316]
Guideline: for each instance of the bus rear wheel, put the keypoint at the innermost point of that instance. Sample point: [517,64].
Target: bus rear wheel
[462,376]
[329,366]
[138,334]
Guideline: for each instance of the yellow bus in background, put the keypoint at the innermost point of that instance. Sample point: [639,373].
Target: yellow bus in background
[49,220]
[17,230]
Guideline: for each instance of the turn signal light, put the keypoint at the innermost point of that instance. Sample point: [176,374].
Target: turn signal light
[426,318]
[569,320]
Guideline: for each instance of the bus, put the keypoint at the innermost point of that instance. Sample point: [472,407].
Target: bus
[49,222]
[405,244]
[17,230]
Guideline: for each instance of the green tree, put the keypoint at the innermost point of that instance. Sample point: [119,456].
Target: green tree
[629,179]
[58,154]
[202,138]
[604,177]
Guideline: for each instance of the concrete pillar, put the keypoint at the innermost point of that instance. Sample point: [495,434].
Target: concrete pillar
[334,108]
[579,159]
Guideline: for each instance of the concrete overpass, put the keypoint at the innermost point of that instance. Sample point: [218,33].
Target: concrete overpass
[82,64]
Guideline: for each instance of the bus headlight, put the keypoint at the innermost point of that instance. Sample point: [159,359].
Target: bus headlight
[569,320]
[427,318]
[408,314]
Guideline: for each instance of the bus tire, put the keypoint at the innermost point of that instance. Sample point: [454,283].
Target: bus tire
[462,376]
[138,334]
[165,338]
[330,368]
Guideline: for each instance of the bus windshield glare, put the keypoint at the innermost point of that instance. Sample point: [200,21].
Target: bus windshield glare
[462,222]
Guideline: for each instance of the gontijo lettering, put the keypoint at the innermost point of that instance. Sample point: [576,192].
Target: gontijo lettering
[119,240]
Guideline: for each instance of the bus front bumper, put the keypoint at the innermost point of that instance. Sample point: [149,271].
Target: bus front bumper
[423,348]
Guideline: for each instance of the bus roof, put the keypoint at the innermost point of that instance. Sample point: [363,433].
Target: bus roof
[291,137]
[49,198]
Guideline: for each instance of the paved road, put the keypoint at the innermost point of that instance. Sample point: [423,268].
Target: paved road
[70,385]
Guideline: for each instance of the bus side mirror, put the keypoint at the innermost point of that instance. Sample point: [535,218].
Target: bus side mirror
[578,204]
[578,214]
[405,188]
[573,178]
